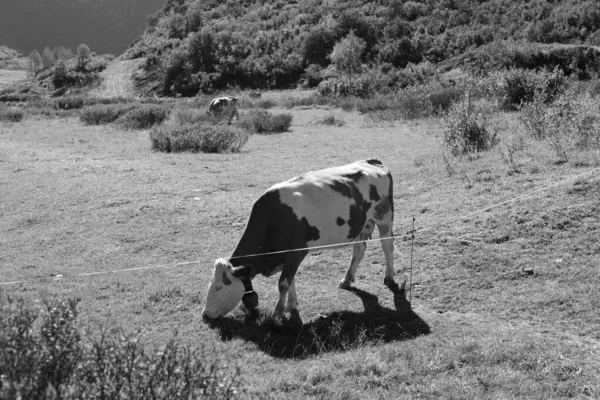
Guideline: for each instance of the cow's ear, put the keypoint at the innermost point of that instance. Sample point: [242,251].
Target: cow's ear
[242,272]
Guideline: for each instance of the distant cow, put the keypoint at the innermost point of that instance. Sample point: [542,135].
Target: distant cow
[333,206]
[224,106]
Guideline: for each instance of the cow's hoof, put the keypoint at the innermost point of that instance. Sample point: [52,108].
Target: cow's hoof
[390,283]
[344,284]
[250,300]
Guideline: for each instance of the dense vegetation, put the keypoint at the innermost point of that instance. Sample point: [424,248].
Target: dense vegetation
[203,46]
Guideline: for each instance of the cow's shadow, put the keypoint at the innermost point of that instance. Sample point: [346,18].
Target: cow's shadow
[338,331]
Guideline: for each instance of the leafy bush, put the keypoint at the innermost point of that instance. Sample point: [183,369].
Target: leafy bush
[265,122]
[44,355]
[187,116]
[143,116]
[200,137]
[11,115]
[467,130]
[101,114]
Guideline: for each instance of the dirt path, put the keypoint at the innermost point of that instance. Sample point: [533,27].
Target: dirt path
[117,79]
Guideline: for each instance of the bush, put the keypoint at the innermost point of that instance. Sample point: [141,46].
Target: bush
[266,122]
[187,116]
[143,117]
[103,113]
[466,129]
[200,137]
[44,355]
[69,102]
[11,115]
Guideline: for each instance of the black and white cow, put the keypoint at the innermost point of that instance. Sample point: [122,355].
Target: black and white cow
[224,106]
[320,208]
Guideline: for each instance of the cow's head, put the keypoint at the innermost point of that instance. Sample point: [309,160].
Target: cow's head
[224,291]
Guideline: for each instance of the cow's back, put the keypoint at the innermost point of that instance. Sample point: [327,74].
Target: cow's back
[339,201]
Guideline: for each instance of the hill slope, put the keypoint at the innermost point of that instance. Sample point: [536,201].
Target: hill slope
[206,45]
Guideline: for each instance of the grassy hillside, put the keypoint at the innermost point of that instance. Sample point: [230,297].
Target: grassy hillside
[196,45]
[107,26]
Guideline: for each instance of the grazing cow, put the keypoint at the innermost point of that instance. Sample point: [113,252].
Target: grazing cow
[330,207]
[224,106]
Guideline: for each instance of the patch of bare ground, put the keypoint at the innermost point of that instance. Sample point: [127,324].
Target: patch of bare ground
[117,79]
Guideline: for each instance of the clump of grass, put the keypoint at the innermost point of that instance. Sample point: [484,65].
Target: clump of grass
[12,115]
[264,122]
[331,119]
[266,104]
[143,117]
[199,137]
[101,114]
[45,355]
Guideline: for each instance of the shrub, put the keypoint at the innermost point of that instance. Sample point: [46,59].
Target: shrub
[265,122]
[187,116]
[69,102]
[200,137]
[570,122]
[144,116]
[11,115]
[466,129]
[44,355]
[331,119]
[518,86]
[103,113]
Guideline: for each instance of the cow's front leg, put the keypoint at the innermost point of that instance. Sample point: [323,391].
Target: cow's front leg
[286,282]
[292,300]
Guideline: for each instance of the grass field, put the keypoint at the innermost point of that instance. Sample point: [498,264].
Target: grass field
[504,302]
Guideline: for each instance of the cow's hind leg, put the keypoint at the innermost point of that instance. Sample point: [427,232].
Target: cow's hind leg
[286,281]
[358,251]
[387,243]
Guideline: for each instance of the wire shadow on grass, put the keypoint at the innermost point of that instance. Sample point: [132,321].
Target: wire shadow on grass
[337,331]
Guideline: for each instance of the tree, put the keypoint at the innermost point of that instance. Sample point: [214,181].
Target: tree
[346,55]
[48,57]
[35,61]
[84,55]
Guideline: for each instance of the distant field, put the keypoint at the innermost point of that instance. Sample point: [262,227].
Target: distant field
[504,304]
[11,76]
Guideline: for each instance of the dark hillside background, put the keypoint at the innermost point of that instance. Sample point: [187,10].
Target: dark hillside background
[205,45]
[106,26]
